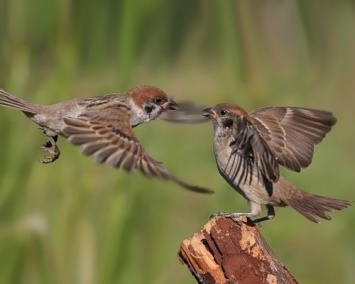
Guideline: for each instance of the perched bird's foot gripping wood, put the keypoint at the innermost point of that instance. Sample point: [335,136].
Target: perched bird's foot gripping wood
[236,216]
[52,149]
[233,216]
[232,252]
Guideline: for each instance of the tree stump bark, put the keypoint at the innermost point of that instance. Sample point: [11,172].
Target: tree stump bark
[226,251]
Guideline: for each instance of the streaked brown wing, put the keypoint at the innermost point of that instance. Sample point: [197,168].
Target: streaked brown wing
[292,132]
[106,142]
[250,146]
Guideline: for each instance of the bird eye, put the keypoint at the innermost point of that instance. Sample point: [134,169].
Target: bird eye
[158,101]
[223,112]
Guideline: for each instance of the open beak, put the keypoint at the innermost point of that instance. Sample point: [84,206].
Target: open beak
[170,104]
[210,113]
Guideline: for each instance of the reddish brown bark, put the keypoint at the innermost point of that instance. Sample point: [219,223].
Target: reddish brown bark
[229,252]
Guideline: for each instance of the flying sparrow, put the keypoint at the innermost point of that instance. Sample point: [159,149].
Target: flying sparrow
[249,147]
[102,127]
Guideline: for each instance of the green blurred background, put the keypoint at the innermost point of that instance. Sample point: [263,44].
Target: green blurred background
[77,222]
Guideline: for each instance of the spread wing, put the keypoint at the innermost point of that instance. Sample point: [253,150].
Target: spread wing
[108,138]
[252,149]
[292,132]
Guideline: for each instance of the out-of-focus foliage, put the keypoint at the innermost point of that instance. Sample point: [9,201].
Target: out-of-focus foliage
[77,222]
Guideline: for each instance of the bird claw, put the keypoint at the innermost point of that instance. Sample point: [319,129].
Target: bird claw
[52,150]
[49,159]
[234,216]
[216,215]
[46,146]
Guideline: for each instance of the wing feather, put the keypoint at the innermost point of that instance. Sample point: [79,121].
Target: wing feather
[113,142]
[292,132]
[250,146]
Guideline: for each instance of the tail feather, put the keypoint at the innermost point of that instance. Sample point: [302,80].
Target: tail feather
[11,101]
[314,207]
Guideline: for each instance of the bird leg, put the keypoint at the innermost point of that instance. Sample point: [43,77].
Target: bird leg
[51,148]
[270,215]
[255,211]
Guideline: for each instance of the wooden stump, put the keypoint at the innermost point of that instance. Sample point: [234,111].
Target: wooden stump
[229,252]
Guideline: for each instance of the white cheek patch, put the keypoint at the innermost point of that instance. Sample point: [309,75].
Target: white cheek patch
[138,115]
[155,113]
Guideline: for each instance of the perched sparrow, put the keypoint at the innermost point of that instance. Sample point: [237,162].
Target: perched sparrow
[102,127]
[250,147]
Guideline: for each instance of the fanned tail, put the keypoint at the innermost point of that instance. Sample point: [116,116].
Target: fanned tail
[13,102]
[314,207]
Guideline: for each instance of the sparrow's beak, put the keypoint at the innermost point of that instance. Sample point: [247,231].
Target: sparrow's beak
[170,104]
[210,113]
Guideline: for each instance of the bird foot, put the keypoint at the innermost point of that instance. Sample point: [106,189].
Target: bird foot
[234,216]
[52,149]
